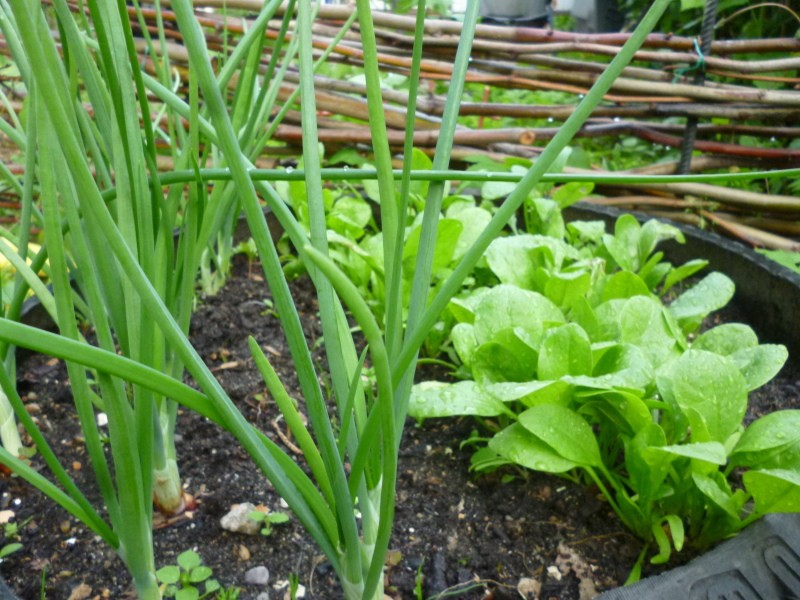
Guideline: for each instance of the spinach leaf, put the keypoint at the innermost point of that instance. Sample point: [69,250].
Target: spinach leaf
[434,399]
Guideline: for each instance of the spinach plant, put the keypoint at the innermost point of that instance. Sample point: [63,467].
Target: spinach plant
[581,369]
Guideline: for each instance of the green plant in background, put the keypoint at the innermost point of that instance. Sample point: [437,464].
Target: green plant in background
[183,580]
[579,369]
[356,241]
[790,260]
[119,224]
[736,18]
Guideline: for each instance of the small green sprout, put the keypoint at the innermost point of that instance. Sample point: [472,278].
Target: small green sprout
[181,581]
[419,579]
[294,584]
[9,543]
[268,519]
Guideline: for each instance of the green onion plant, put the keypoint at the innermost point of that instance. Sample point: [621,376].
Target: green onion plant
[109,217]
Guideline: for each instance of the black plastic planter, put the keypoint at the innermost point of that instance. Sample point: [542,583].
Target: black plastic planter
[761,563]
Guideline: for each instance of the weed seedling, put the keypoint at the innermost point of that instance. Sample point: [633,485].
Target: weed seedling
[294,585]
[268,519]
[10,543]
[181,581]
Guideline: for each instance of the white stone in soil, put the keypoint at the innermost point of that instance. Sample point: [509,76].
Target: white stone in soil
[238,520]
[257,576]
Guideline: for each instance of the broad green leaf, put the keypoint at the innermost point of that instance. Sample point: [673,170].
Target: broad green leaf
[509,259]
[373,247]
[349,156]
[485,459]
[514,259]
[464,342]
[170,574]
[726,339]
[199,574]
[607,315]
[188,560]
[276,518]
[624,285]
[698,426]
[711,385]
[420,162]
[760,364]
[9,549]
[564,288]
[447,236]
[692,4]
[773,441]
[678,274]
[653,232]
[371,188]
[676,531]
[583,314]
[187,594]
[473,221]
[586,231]
[433,399]
[626,410]
[349,216]
[712,452]
[212,585]
[774,490]
[520,446]
[530,393]
[570,193]
[790,260]
[623,246]
[463,309]
[492,190]
[509,307]
[647,471]
[654,270]
[721,496]
[664,542]
[507,359]
[565,350]
[620,367]
[713,292]
[565,431]
[544,216]
[642,324]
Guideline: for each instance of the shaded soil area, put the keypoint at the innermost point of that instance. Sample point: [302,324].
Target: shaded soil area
[475,538]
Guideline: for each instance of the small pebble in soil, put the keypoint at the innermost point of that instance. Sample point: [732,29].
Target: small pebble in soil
[239,521]
[529,588]
[243,552]
[257,576]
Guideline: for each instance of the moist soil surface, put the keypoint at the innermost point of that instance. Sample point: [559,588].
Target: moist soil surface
[454,533]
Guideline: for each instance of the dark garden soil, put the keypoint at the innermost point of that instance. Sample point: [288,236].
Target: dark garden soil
[461,534]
